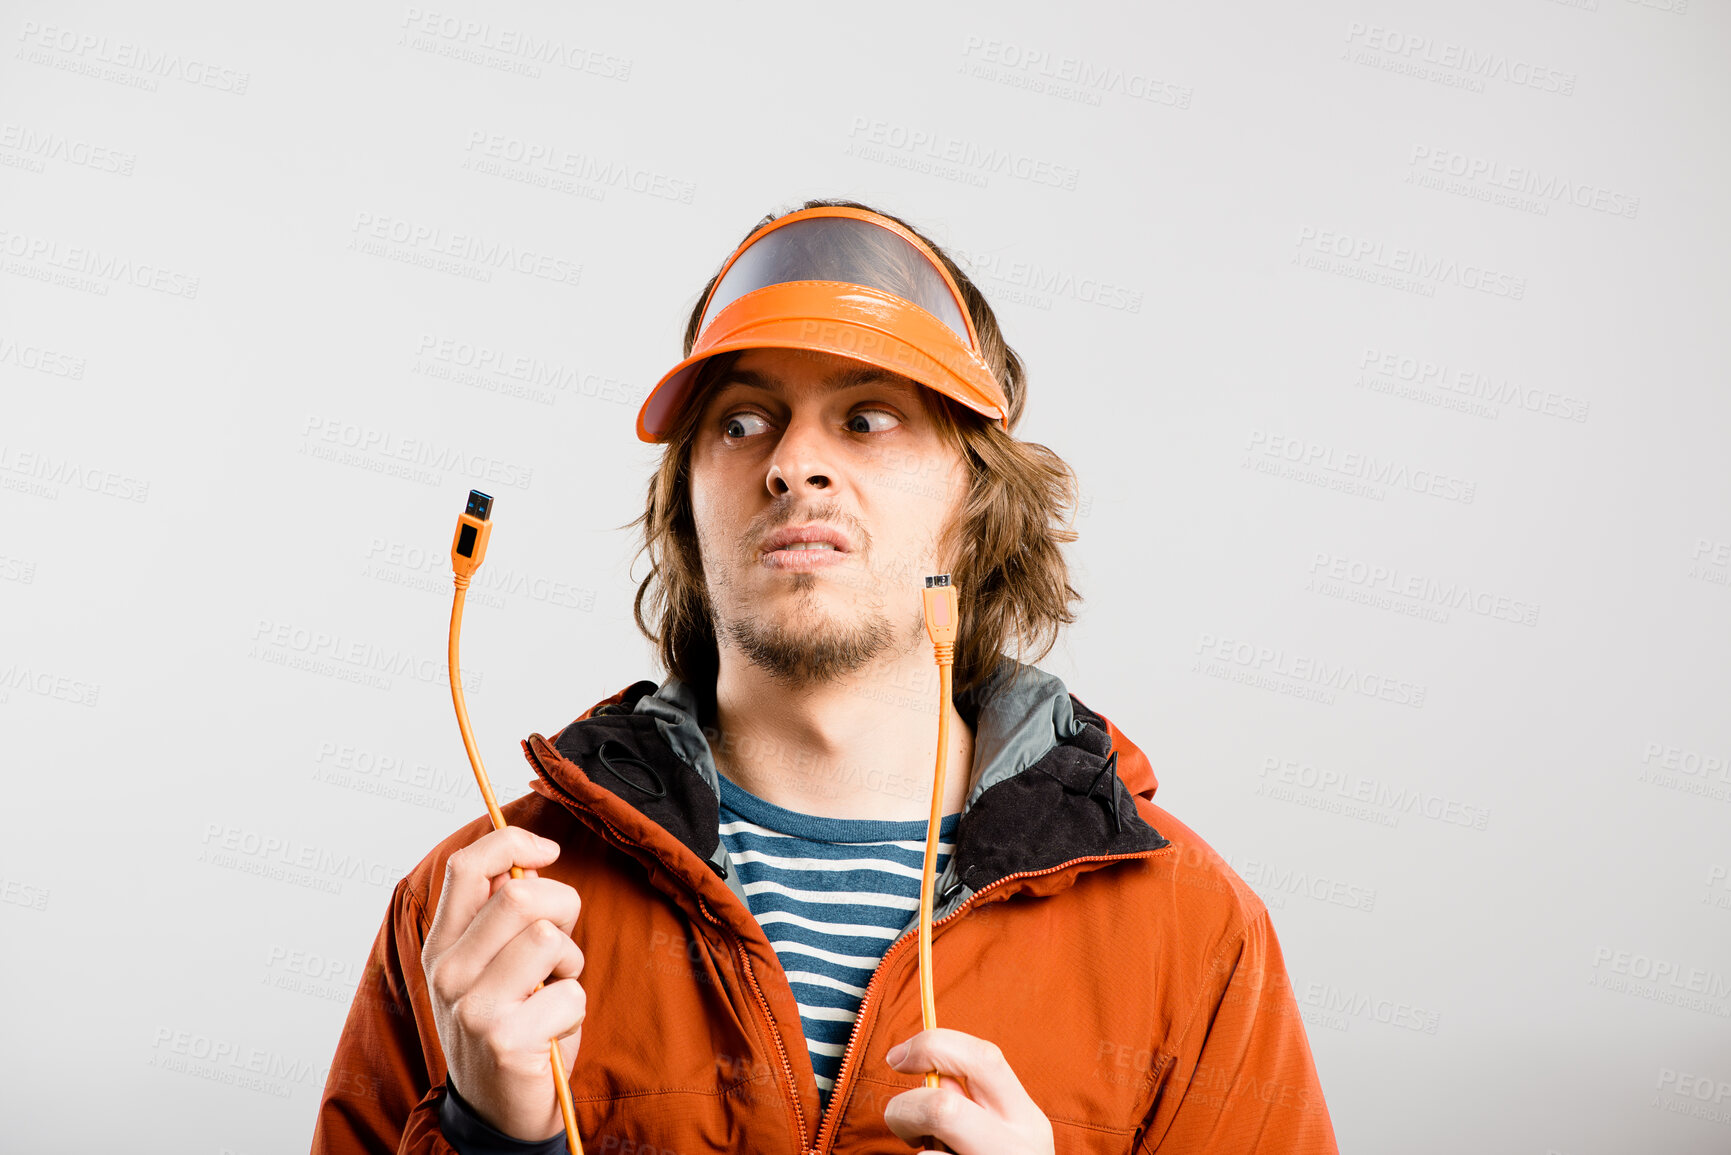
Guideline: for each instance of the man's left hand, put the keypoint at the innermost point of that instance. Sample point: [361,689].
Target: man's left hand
[978,1106]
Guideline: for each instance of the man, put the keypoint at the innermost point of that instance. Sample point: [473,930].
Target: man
[730,861]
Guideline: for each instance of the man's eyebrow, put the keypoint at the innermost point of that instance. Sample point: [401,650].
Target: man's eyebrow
[849,378]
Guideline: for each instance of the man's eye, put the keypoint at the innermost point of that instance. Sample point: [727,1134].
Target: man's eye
[860,416]
[735,424]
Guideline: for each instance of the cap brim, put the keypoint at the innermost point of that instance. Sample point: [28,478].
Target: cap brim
[849,321]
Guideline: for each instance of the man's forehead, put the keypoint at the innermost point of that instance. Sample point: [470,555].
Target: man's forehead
[845,375]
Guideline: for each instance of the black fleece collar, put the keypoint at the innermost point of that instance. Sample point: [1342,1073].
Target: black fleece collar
[1067,804]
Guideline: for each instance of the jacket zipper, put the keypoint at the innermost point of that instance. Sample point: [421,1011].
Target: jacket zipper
[831,1117]
[620,836]
[774,1028]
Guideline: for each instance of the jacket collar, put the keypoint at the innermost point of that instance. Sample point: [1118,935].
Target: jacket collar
[1047,790]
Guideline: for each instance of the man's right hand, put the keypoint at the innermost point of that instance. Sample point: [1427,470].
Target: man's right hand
[492,939]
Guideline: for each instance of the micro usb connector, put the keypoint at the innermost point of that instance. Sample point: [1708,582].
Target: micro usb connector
[942,610]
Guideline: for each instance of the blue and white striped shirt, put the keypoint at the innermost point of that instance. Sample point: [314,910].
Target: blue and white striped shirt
[831,895]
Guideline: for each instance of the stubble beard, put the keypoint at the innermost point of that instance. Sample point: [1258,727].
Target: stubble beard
[810,643]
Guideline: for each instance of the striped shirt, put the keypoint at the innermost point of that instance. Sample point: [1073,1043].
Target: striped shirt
[831,895]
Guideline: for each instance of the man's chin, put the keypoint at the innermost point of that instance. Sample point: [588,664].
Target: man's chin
[810,646]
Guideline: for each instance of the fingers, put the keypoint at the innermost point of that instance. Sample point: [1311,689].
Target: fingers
[512,1019]
[468,880]
[499,880]
[557,1010]
[979,1106]
[514,905]
[978,1063]
[541,952]
[946,1114]
[518,907]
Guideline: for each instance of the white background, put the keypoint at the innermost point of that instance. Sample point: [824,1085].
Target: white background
[1293,283]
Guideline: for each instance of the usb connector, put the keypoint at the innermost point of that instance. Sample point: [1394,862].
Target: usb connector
[942,610]
[469,544]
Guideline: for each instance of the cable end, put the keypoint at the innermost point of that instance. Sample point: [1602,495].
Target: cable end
[474,527]
[942,611]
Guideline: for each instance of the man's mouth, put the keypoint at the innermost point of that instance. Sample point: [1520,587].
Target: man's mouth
[805,557]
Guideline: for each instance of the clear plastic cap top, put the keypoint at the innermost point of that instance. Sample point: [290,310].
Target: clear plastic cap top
[845,249]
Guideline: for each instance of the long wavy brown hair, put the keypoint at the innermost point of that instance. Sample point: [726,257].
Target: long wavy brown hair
[1012,577]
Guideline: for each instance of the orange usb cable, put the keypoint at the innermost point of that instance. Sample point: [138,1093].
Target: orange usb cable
[468,549]
[941,611]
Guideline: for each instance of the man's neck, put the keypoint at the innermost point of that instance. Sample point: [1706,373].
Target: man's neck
[862,747]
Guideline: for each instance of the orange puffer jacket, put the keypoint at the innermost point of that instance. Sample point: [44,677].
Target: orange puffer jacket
[1130,977]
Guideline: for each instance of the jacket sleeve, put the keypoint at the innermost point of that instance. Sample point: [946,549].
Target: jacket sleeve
[471,1135]
[383,1093]
[1240,1079]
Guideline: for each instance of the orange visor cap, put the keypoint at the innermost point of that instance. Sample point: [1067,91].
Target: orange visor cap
[844,281]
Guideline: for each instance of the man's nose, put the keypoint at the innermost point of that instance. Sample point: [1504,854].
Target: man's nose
[802,458]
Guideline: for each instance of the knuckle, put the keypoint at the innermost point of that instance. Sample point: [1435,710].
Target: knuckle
[470,1014]
[514,895]
[440,985]
[576,998]
[458,864]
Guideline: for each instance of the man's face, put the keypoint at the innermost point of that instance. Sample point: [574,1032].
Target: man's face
[790,439]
